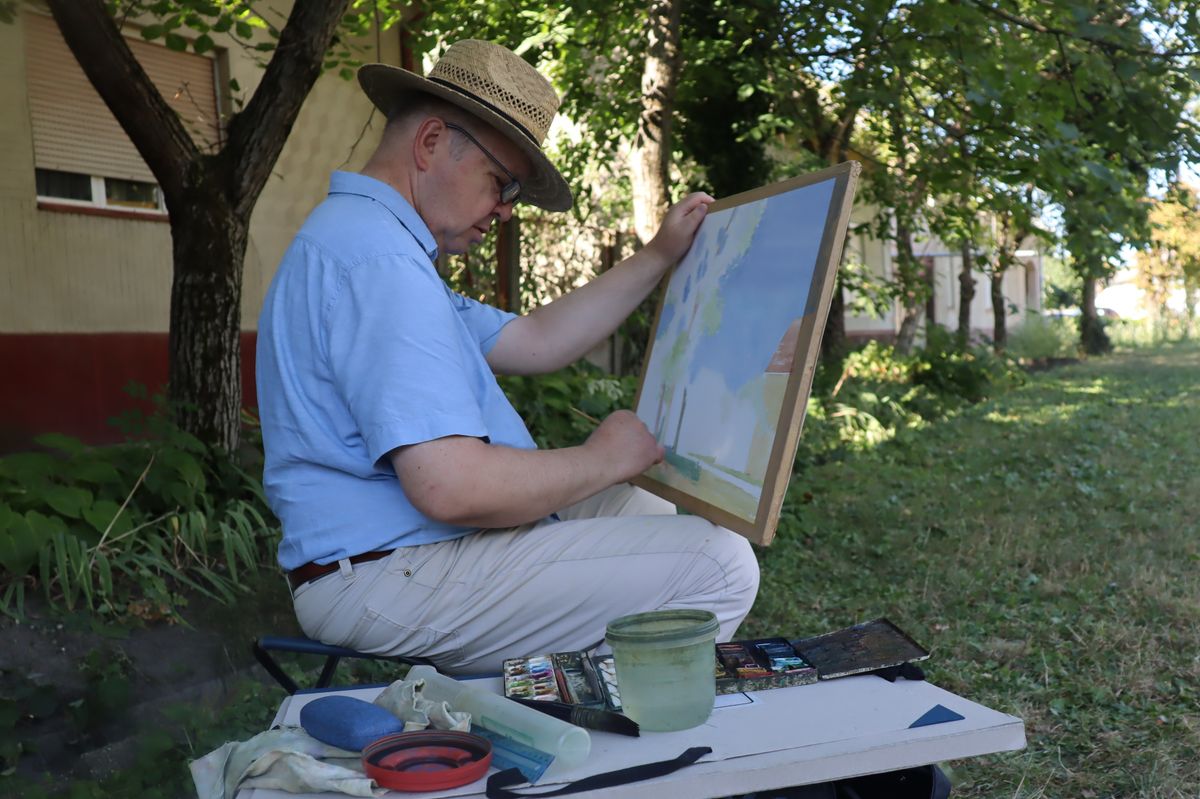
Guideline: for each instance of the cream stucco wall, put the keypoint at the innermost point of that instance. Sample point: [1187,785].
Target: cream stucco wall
[1022,284]
[78,273]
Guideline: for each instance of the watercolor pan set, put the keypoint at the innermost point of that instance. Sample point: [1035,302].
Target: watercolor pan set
[760,664]
[572,677]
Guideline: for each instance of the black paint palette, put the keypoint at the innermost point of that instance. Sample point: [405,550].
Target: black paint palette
[876,644]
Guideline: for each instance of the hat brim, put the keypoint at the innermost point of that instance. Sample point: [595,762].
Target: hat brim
[388,87]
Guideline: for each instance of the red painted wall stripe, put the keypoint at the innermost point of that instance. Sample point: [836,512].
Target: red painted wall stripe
[73,383]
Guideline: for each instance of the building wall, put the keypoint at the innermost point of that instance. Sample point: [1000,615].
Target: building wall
[1022,285]
[74,282]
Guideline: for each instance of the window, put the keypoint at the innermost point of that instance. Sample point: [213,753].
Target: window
[82,157]
[98,192]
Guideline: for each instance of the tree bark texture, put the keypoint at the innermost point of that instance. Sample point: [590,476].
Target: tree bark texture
[910,284]
[652,147]
[999,315]
[833,339]
[966,294]
[204,376]
[1091,331]
[209,197]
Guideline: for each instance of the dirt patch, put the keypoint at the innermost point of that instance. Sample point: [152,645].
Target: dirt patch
[84,687]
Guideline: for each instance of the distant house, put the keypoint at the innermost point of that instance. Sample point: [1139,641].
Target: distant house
[86,267]
[1022,284]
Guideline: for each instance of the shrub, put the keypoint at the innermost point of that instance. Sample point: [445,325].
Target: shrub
[120,529]
[1039,338]
[561,409]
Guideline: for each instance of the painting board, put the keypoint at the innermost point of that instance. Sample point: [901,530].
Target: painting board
[736,338]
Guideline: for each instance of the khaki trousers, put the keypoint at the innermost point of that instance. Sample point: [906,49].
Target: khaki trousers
[552,586]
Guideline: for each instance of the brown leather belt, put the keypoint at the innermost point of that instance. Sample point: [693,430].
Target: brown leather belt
[311,571]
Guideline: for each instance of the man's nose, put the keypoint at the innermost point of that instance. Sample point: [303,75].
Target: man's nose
[504,211]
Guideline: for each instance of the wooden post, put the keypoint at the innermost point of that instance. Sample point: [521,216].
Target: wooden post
[508,266]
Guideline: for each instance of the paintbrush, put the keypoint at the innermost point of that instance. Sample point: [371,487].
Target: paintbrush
[590,717]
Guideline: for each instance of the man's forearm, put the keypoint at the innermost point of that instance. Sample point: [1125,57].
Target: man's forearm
[482,485]
[557,334]
[464,481]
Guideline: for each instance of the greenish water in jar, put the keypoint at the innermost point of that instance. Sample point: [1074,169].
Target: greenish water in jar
[665,667]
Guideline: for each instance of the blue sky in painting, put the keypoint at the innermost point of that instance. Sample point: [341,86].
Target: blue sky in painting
[766,288]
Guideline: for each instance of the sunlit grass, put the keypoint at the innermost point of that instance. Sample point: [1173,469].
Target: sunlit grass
[1044,545]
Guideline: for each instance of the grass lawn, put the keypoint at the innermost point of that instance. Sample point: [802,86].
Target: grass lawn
[1044,546]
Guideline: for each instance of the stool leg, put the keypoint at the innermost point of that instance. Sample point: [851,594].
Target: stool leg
[275,671]
[327,671]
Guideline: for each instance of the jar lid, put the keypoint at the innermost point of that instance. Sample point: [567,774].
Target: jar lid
[674,627]
[427,760]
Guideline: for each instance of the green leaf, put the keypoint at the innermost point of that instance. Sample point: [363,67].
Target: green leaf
[102,512]
[26,465]
[93,472]
[745,91]
[152,32]
[66,500]
[19,545]
[244,31]
[72,446]
[203,43]
[176,42]
[234,86]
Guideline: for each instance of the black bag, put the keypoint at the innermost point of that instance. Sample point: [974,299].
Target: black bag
[922,782]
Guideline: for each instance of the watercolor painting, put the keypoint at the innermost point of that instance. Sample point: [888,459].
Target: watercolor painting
[731,323]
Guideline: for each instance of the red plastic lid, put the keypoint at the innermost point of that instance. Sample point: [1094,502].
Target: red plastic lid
[427,760]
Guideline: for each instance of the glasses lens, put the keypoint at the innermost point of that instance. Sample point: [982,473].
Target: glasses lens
[511,192]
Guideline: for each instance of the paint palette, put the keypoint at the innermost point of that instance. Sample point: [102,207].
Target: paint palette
[761,664]
[572,677]
[531,678]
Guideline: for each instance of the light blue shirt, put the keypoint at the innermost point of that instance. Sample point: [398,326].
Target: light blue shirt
[363,348]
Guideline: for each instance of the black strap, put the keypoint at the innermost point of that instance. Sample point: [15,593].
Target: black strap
[499,783]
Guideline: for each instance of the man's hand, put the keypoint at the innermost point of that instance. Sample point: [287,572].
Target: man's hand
[552,336]
[678,228]
[623,442]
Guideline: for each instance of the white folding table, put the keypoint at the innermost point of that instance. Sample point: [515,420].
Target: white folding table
[771,739]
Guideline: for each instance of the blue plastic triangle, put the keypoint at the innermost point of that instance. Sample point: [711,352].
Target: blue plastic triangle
[937,714]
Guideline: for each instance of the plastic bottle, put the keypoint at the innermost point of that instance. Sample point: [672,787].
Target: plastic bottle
[568,744]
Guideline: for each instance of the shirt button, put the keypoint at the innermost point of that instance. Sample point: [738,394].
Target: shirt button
[408,572]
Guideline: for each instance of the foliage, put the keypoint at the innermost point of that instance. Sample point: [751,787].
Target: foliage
[121,530]
[1039,338]
[1170,262]
[561,409]
[880,394]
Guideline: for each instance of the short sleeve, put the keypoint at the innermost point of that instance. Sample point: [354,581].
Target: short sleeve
[484,321]
[396,351]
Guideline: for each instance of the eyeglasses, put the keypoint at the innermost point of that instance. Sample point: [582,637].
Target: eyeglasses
[510,192]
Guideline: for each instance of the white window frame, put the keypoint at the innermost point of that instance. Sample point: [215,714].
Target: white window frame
[100,198]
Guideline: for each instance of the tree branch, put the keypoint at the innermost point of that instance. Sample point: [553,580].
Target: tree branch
[256,135]
[151,124]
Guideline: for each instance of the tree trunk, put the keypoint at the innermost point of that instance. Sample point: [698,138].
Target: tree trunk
[999,313]
[209,197]
[652,148]
[966,294]
[833,340]
[1091,332]
[912,285]
[205,381]
[1189,310]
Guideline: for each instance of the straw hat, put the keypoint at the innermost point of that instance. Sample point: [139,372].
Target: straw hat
[496,85]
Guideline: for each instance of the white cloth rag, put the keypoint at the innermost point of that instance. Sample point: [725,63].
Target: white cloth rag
[287,759]
[403,699]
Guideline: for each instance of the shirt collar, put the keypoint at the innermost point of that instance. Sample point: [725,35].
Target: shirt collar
[389,198]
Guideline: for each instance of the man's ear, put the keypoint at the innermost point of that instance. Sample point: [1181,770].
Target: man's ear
[431,134]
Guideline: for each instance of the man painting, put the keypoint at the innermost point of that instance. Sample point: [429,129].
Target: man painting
[418,516]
